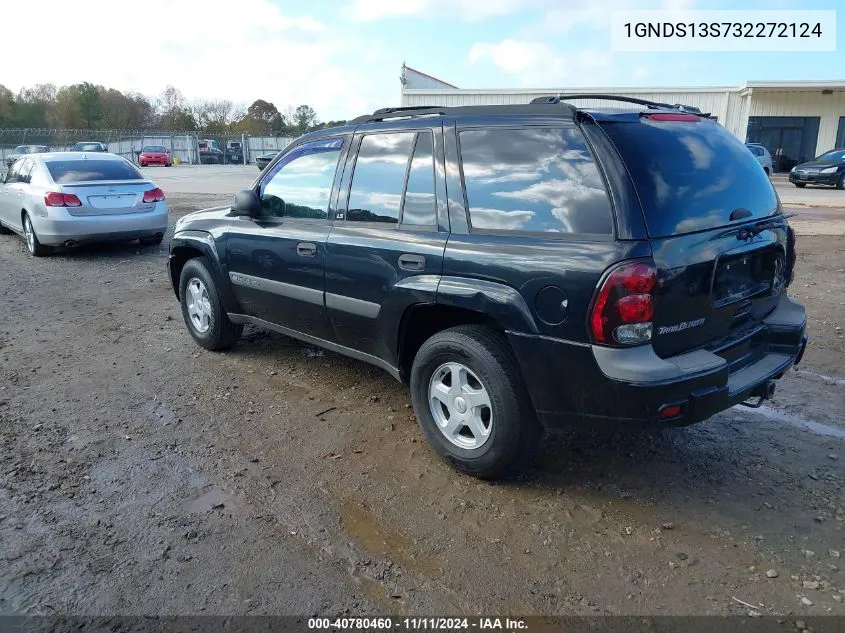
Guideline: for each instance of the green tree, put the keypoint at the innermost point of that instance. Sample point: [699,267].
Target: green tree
[6,99]
[66,111]
[90,106]
[303,119]
[173,112]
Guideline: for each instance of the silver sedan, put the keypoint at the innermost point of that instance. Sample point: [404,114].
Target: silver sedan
[66,199]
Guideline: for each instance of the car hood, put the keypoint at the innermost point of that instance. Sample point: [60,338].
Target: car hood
[819,163]
[199,220]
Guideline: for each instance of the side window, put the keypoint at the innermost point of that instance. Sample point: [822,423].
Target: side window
[419,206]
[535,180]
[12,173]
[300,184]
[376,194]
[25,172]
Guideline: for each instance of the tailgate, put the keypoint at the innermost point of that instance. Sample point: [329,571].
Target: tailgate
[718,237]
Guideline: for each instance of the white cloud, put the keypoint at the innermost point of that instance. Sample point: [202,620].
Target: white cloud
[640,72]
[539,64]
[216,51]
[469,10]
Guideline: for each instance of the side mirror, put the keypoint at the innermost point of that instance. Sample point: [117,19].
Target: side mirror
[246,203]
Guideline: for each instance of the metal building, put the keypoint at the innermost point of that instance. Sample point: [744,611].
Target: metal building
[795,120]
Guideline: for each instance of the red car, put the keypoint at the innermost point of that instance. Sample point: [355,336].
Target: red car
[155,155]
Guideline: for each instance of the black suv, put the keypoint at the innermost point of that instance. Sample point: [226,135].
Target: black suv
[521,267]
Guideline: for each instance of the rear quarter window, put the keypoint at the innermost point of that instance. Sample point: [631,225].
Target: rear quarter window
[690,176]
[66,171]
[533,180]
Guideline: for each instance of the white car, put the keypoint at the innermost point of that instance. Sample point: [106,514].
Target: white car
[762,155]
[66,199]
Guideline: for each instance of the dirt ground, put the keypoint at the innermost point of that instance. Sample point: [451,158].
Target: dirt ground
[140,474]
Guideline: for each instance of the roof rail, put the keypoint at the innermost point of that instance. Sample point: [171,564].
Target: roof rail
[392,113]
[607,97]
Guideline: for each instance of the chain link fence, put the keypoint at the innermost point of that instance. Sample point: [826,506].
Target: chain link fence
[186,147]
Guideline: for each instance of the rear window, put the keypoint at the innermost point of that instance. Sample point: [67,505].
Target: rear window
[66,171]
[690,176]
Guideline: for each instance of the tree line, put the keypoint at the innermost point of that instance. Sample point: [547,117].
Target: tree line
[88,106]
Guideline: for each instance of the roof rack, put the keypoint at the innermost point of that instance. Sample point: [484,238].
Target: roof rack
[392,113]
[606,97]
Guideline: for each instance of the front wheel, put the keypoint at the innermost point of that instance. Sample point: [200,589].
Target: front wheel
[800,185]
[35,248]
[202,309]
[471,403]
[840,184]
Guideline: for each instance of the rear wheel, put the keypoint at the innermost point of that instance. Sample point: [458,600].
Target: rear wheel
[471,404]
[4,230]
[800,185]
[35,248]
[202,309]
[840,184]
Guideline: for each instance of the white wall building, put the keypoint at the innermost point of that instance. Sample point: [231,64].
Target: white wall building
[795,120]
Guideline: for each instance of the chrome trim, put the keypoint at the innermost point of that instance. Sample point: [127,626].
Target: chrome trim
[351,305]
[307,338]
[291,291]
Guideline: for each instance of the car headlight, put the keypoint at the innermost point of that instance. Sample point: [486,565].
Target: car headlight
[829,170]
[791,170]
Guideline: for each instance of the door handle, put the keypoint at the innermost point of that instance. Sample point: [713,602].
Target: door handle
[409,261]
[306,249]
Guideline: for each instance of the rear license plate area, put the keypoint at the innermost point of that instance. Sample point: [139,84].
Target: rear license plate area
[740,277]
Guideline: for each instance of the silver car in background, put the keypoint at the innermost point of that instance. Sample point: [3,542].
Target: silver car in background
[762,155]
[66,199]
[22,150]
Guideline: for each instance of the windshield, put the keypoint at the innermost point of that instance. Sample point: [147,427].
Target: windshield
[690,176]
[155,148]
[66,171]
[29,149]
[87,147]
[833,155]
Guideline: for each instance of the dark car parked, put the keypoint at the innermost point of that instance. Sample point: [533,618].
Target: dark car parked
[265,159]
[89,146]
[827,169]
[520,267]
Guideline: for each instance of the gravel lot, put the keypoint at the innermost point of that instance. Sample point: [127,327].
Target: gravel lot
[142,474]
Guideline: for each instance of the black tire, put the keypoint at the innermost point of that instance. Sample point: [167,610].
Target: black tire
[514,432]
[35,247]
[4,230]
[800,185]
[221,333]
[151,240]
[840,184]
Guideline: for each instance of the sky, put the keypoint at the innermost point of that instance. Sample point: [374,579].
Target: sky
[344,57]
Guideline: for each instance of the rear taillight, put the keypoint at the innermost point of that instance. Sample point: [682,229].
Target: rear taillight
[624,305]
[154,195]
[56,199]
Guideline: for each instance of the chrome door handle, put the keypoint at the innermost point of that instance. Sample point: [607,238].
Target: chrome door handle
[409,261]
[306,249]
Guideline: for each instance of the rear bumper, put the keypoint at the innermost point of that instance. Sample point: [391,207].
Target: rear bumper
[583,386]
[60,227]
[814,179]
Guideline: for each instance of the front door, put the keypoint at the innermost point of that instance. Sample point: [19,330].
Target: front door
[385,250]
[277,259]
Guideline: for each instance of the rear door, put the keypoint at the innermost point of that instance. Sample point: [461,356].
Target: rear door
[277,259]
[385,250]
[715,225]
